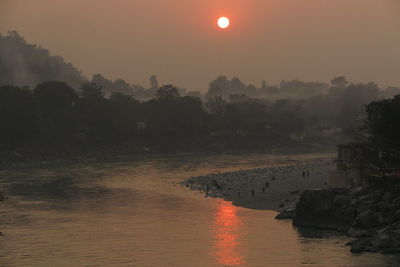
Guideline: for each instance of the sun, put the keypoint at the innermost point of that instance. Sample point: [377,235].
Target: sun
[223,22]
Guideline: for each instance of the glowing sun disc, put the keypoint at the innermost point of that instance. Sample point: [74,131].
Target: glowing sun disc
[223,22]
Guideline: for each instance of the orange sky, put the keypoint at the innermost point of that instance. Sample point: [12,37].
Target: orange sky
[178,40]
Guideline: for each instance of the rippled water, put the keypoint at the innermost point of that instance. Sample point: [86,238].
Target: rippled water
[133,214]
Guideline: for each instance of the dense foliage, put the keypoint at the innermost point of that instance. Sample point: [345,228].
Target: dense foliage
[47,103]
[55,115]
[379,134]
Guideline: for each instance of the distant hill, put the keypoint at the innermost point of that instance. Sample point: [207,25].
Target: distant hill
[23,64]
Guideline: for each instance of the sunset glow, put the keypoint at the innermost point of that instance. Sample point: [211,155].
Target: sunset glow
[223,22]
[227,235]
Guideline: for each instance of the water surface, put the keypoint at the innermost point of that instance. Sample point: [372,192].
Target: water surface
[134,214]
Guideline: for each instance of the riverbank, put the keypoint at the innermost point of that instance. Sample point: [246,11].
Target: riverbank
[300,192]
[370,214]
[39,157]
[273,188]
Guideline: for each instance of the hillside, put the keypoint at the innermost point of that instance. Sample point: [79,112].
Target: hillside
[23,64]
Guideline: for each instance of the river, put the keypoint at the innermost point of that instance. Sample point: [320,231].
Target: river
[135,214]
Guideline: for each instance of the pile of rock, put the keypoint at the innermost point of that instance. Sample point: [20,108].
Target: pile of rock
[372,216]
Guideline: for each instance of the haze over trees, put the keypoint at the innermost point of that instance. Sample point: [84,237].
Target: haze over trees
[61,108]
[295,89]
[23,64]
[54,114]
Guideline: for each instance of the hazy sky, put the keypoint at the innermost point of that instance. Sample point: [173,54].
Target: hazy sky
[179,42]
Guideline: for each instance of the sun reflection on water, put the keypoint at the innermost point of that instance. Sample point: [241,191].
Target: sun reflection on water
[227,232]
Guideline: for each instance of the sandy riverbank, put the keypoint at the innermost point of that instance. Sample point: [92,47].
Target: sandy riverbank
[273,188]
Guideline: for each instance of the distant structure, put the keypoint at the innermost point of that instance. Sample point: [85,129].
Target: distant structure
[350,168]
[154,83]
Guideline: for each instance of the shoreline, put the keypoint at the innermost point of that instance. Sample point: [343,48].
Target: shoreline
[28,159]
[275,188]
[368,215]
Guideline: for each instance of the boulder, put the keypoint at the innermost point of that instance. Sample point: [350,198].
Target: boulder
[385,206]
[341,200]
[286,214]
[396,200]
[355,232]
[391,251]
[359,245]
[377,193]
[355,192]
[385,241]
[354,202]
[387,196]
[362,207]
[318,208]
[368,219]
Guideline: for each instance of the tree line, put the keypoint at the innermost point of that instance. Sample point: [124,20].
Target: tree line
[55,115]
[70,110]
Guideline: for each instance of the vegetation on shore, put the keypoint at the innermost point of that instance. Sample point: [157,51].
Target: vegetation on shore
[49,110]
[368,212]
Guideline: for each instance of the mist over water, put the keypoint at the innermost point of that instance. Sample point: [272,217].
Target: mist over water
[134,213]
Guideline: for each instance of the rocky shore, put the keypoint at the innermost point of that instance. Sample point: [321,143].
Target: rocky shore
[272,188]
[370,215]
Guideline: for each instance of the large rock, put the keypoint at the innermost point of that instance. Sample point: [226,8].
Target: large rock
[386,206]
[325,208]
[359,245]
[368,219]
[391,251]
[342,200]
[386,241]
[355,232]
[358,191]
[286,214]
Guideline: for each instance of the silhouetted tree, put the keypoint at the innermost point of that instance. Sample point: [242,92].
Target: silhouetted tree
[339,82]
[56,101]
[121,86]
[18,115]
[167,91]
[91,90]
[216,105]
[94,115]
[125,113]
[218,86]
[55,97]
[102,82]
[380,133]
